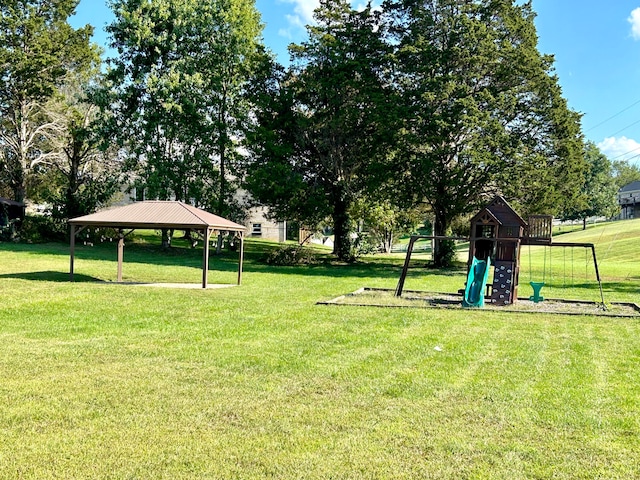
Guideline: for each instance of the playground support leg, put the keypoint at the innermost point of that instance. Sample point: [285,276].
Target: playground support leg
[405,268]
[595,264]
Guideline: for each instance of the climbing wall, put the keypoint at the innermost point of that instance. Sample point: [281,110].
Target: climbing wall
[503,289]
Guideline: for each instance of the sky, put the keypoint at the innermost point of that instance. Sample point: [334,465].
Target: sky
[595,43]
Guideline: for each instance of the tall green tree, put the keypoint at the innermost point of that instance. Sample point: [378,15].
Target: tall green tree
[325,123]
[482,112]
[38,48]
[599,190]
[176,92]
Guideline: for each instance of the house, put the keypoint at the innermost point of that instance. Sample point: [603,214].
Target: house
[11,212]
[259,226]
[629,200]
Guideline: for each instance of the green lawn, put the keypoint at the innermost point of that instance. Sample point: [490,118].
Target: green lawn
[110,381]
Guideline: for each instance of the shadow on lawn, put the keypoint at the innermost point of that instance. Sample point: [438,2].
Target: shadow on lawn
[620,287]
[631,287]
[378,266]
[133,253]
[50,276]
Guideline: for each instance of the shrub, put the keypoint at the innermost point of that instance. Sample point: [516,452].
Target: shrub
[363,244]
[447,255]
[43,228]
[290,255]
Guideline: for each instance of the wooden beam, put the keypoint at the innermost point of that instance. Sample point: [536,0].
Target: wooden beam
[405,268]
[241,259]
[205,257]
[120,253]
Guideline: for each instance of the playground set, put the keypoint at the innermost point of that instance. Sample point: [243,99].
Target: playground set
[497,236]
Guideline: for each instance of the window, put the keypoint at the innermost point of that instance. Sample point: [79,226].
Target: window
[256,230]
[487,231]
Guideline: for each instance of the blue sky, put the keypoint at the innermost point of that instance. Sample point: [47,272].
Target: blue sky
[596,45]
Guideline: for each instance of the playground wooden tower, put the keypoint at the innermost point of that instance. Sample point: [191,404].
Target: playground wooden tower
[498,232]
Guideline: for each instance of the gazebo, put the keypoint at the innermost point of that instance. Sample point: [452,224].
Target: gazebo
[155,214]
[10,210]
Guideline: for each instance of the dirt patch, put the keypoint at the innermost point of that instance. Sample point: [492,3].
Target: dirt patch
[377,297]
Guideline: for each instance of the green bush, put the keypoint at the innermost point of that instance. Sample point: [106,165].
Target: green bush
[290,255]
[447,254]
[43,228]
[363,244]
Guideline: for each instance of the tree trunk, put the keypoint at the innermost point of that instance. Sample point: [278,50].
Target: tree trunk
[584,223]
[19,192]
[166,239]
[72,206]
[219,244]
[222,152]
[440,227]
[388,241]
[223,181]
[17,177]
[341,240]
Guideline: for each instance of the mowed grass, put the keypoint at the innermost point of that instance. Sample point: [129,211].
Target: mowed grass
[108,381]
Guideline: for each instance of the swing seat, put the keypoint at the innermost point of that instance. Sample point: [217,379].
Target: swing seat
[537,286]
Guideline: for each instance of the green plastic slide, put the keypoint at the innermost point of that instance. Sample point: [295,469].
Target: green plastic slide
[476,281]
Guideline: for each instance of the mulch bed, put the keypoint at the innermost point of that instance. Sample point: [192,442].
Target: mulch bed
[380,297]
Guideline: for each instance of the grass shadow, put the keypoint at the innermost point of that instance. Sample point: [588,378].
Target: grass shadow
[50,276]
[144,252]
[620,287]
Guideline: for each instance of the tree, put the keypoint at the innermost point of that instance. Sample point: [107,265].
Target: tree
[482,113]
[324,122]
[37,49]
[176,92]
[599,189]
[83,172]
[625,173]
[382,222]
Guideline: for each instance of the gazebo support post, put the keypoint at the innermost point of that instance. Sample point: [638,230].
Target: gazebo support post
[72,248]
[205,257]
[241,260]
[120,253]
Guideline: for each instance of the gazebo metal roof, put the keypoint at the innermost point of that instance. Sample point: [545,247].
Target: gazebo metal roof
[156,214]
[11,203]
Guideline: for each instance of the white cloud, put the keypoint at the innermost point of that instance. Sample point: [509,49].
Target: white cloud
[621,148]
[375,6]
[634,20]
[302,15]
[286,33]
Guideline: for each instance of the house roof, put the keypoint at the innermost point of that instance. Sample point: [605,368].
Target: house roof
[631,187]
[11,203]
[500,209]
[157,214]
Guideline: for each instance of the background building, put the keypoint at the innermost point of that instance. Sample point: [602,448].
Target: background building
[629,200]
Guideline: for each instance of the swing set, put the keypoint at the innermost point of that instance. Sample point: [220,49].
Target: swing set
[497,236]
[537,286]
